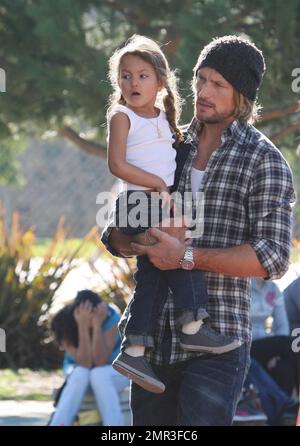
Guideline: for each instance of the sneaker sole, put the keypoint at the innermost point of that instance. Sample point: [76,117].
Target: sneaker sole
[144,381]
[215,350]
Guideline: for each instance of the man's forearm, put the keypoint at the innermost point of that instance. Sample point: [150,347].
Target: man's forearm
[239,261]
[166,254]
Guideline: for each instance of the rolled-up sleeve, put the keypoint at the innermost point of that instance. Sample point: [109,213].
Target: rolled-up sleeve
[270,213]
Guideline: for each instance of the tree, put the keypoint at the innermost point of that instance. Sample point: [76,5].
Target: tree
[55,58]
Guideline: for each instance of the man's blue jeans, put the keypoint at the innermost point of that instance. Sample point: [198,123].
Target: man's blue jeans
[202,391]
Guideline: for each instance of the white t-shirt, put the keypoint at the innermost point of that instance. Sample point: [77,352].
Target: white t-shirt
[196,180]
[149,146]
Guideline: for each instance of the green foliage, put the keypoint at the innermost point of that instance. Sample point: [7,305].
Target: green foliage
[55,57]
[55,53]
[9,164]
[27,288]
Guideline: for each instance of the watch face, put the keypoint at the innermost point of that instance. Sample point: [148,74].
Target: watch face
[187,264]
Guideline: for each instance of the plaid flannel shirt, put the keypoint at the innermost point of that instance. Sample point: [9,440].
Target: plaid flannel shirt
[248,192]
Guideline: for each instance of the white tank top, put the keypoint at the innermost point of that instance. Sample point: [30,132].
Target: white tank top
[149,146]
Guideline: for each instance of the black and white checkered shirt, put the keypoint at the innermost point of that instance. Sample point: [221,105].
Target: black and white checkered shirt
[248,193]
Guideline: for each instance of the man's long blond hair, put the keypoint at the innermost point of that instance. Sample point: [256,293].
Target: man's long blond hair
[246,110]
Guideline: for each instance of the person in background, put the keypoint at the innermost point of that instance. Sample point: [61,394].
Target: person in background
[262,395]
[88,333]
[272,344]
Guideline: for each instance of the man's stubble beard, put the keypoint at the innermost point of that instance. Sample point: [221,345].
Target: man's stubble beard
[217,119]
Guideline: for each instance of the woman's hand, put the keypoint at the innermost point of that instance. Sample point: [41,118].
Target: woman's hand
[99,315]
[83,317]
[83,314]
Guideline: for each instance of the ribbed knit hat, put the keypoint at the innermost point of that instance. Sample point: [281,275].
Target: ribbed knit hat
[239,61]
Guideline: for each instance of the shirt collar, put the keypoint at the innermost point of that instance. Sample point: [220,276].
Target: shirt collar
[236,131]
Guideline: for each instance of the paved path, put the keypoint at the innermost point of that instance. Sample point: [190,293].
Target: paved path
[25,413]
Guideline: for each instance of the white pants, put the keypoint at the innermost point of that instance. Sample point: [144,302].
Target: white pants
[105,383]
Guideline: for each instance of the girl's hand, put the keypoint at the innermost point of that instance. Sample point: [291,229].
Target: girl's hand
[167,200]
[163,190]
[83,314]
[99,314]
[161,186]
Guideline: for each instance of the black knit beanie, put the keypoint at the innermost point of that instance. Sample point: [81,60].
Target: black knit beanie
[237,60]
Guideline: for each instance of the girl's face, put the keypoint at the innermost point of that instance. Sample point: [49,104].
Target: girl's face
[138,83]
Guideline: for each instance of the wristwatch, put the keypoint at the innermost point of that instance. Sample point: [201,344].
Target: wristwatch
[187,262]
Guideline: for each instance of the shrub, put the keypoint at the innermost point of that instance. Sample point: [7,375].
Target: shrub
[27,288]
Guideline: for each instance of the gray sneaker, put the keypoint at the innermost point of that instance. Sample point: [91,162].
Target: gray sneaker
[139,371]
[206,340]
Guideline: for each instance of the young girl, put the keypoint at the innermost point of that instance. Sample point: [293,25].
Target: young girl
[140,152]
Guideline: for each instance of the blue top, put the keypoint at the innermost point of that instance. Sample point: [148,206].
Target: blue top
[267,302]
[112,319]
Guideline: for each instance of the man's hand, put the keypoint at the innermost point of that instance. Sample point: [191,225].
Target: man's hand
[176,227]
[166,253]
[124,244]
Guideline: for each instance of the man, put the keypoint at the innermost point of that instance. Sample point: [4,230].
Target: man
[247,228]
